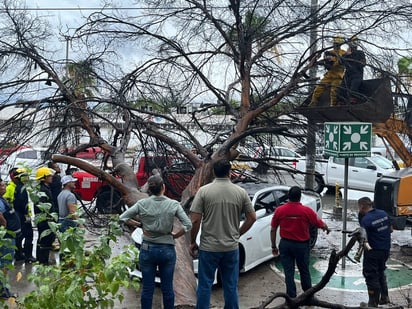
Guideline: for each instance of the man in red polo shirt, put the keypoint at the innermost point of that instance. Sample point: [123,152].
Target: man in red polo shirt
[294,220]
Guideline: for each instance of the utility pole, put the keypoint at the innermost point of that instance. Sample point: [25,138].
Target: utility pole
[67,39]
[311,131]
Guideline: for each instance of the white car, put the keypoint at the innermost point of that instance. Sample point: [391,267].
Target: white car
[27,157]
[280,156]
[255,246]
[285,155]
[362,172]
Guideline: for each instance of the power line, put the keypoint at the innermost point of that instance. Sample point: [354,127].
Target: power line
[75,9]
[99,8]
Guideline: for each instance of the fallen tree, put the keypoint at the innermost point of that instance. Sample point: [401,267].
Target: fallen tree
[308,298]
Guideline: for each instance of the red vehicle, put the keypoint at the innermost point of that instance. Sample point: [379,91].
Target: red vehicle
[90,187]
[91,153]
[176,173]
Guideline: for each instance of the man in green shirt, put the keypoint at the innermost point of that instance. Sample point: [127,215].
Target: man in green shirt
[219,206]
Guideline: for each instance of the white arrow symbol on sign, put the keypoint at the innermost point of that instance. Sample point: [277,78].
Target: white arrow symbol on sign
[335,130]
[347,145]
[364,129]
[347,129]
[335,145]
[327,144]
[363,145]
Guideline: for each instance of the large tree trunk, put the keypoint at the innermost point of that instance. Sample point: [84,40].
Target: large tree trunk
[127,187]
[184,280]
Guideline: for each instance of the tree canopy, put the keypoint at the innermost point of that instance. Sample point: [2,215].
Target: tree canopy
[248,57]
[238,68]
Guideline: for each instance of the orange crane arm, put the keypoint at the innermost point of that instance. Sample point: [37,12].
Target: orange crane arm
[389,131]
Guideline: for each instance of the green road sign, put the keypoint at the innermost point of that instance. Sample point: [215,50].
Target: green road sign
[348,139]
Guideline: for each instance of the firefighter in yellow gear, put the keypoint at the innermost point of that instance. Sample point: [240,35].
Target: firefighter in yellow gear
[334,74]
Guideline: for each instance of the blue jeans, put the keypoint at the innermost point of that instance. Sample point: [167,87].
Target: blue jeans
[228,265]
[152,257]
[66,223]
[291,252]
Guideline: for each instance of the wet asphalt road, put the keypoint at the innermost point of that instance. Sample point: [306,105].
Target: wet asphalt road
[258,284]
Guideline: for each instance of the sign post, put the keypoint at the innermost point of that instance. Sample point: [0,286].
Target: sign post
[346,140]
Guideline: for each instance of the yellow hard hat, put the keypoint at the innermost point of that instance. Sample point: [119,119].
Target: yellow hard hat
[18,172]
[338,40]
[43,172]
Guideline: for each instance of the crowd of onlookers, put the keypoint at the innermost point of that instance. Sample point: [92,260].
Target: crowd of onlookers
[54,195]
[215,213]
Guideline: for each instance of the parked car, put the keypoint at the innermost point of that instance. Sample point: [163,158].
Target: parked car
[319,152]
[362,172]
[30,157]
[255,245]
[279,156]
[285,155]
[91,153]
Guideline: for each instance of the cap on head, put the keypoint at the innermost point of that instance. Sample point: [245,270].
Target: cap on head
[68,178]
[43,172]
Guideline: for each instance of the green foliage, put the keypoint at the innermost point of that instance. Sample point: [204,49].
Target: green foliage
[405,65]
[82,77]
[6,242]
[83,278]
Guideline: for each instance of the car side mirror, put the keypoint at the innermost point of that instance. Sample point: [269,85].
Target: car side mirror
[371,167]
[261,213]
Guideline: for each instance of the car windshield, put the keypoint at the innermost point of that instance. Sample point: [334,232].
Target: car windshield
[382,162]
[29,154]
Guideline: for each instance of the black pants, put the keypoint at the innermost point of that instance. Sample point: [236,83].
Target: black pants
[44,243]
[350,88]
[292,252]
[26,236]
[374,265]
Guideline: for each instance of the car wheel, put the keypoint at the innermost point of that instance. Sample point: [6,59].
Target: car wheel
[108,203]
[313,232]
[318,184]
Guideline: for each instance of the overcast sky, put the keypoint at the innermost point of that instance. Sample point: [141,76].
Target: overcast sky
[67,15]
[65,12]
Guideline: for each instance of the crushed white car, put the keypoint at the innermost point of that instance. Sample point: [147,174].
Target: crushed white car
[255,245]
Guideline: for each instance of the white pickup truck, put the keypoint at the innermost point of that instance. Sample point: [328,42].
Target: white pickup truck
[362,172]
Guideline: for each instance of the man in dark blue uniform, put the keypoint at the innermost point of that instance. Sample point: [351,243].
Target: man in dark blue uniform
[378,228]
[10,220]
[18,198]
